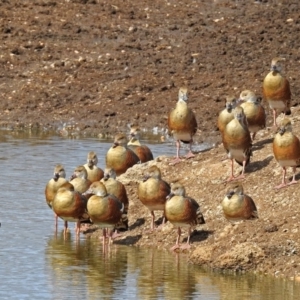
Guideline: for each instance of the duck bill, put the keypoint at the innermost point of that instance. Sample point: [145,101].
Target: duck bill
[170,196]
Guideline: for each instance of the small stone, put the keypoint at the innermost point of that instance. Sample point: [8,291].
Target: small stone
[271,228]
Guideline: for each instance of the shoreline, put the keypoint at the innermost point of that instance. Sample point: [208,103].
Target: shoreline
[268,245]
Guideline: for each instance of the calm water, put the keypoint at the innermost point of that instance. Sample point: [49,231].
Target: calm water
[37,264]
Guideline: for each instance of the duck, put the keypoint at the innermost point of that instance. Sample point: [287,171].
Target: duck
[116,188]
[226,115]
[254,111]
[182,124]
[70,205]
[276,89]
[142,151]
[94,173]
[237,142]
[182,211]
[237,205]
[79,179]
[152,192]
[58,179]
[119,156]
[286,149]
[105,210]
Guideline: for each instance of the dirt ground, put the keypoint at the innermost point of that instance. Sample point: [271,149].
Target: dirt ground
[92,67]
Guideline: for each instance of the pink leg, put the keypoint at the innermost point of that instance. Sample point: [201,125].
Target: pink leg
[231,178]
[177,158]
[110,231]
[163,223]
[164,220]
[283,183]
[243,171]
[294,177]
[56,221]
[176,246]
[190,154]
[152,221]
[274,118]
[65,228]
[115,234]
[187,245]
[78,228]
[103,235]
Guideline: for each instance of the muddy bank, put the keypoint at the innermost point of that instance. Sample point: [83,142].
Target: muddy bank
[267,245]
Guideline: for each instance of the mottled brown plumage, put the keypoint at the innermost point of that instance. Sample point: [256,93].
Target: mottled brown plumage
[152,191]
[79,179]
[70,205]
[286,149]
[54,184]
[276,90]
[182,123]
[94,173]
[254,111]
[226,115]
[142,151]
[237,141]
[238,206]
[182,211]
[119,157]
[116,188]
[105,210]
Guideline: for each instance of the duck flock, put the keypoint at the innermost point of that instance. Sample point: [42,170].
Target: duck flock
[96,196]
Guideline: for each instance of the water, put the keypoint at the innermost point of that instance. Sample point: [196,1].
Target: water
[37,264]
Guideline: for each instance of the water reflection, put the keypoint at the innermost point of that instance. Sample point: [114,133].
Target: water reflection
[247,286]
[164,275]
[85,266]
[157,273]
[148,274]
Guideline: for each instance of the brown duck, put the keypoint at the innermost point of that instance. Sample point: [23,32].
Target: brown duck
[142,151]
[182,211]
[182,124]
[94,173]
[152,192]
[105,210]
[238,206]
[117,188]
[237,141]
[58,179]
[70,206]
[276,89]
[119,157]
[286,149]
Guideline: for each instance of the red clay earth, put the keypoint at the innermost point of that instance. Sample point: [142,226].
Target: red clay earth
[94,66]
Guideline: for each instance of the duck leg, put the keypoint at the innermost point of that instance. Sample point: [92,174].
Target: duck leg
[294,177]
[283,183]
[177,159]
[242,175]
[187,244]
[176,246]
[190,153]
[152,221]
[231,178]
[77,228]
[65,228]
[274,118]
